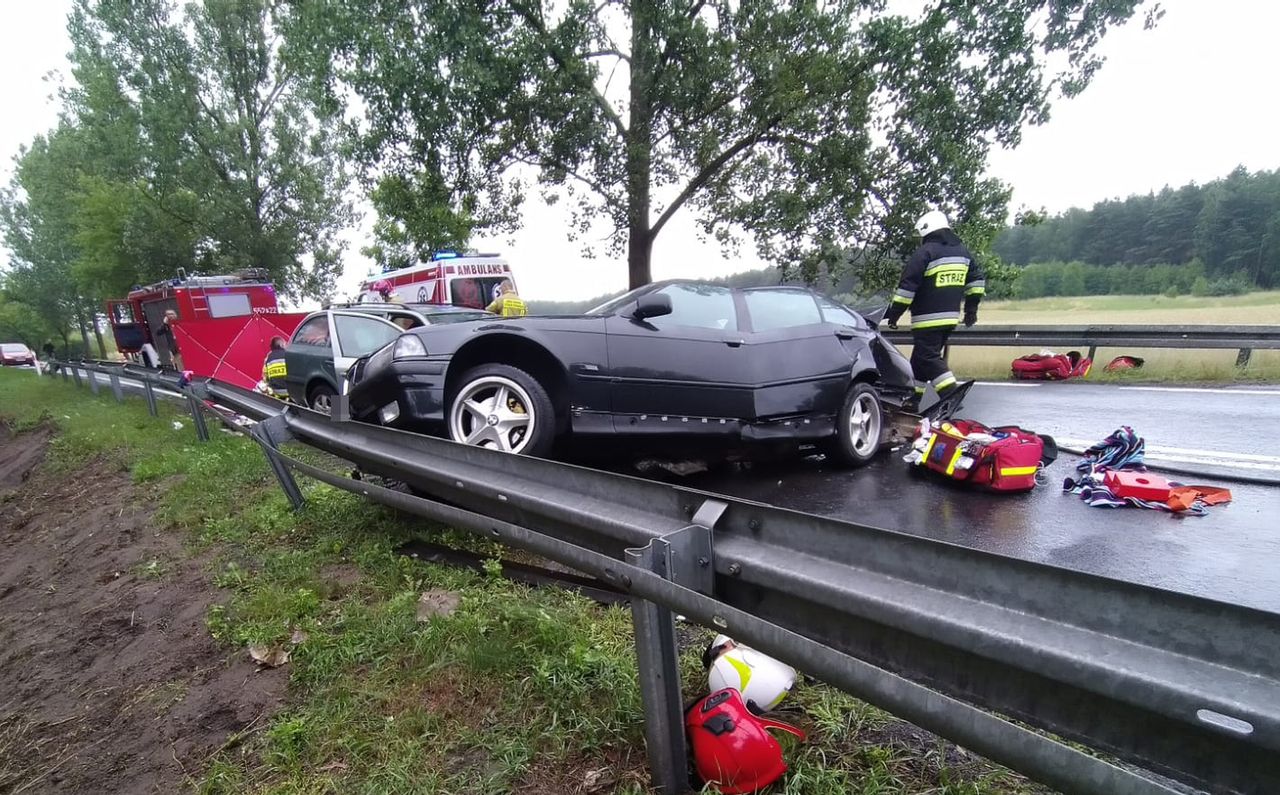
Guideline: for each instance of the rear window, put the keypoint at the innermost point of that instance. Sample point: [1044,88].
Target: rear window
[314,332]
[476,293]
[14,348]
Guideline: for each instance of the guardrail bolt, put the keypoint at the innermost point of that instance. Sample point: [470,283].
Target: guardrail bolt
[754,524]
[735,569]
[688,509]
[703,562]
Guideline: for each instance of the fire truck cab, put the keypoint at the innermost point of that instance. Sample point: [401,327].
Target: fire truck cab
[135,318]
[470,280]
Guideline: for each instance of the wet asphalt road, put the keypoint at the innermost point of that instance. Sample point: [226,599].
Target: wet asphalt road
[1233,554]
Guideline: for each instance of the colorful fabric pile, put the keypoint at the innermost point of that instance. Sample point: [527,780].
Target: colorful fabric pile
[1099,485]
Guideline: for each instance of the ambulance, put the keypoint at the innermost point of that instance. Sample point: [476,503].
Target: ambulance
[471,280]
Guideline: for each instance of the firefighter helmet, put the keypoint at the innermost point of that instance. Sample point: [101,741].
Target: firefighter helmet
[931,222]
[763,681]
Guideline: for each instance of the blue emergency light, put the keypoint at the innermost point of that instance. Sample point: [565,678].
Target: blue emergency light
[438,255]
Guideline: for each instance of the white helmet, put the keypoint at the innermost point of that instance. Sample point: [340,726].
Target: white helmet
[932,221]
[763,681]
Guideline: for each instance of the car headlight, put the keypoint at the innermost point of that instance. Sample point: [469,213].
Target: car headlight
[408,345]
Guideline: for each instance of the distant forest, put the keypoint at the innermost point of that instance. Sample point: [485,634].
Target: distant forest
[1213,239]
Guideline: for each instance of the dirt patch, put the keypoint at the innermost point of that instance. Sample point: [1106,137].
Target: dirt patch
[21,454]
[607,770]
[112,682]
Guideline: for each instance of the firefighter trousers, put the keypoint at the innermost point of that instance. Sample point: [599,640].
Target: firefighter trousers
[927,362]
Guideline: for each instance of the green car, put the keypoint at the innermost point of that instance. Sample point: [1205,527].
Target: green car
[327,342]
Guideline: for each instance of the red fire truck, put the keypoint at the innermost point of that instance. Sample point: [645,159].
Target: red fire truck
[134,319]
[449,278]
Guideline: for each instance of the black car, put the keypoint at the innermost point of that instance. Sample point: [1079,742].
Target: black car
[670,361]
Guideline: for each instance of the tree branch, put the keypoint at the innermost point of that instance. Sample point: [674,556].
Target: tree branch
[612,53]
[709,171]
[539,162]
[562,61]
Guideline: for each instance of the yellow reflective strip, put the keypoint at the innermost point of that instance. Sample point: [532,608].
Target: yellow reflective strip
[744,671]
[951,321]
[897,299]
[976,291]
[1019,470]
[933,437]
[946,382]
[951,465]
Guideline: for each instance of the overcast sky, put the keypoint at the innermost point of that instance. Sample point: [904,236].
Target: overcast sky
[1188,101]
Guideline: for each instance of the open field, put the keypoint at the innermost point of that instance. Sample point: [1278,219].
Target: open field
[139,565]
[1162,364]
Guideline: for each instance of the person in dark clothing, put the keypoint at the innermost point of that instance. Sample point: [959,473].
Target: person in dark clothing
[167,341]
[274,370]
[938,278]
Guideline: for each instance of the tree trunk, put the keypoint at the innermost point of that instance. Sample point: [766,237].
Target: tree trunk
[97,332]
[640,142]
[84,331]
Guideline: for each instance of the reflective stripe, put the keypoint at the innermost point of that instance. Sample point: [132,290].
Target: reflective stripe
[935,324]
[947,376]
[943,262]
[1011,471]
[943,384]
[924,456]
[934,319]
[744,671]
[907,294]
[919,390]
[976,291]
[981,284]
[897,299]
[951,465]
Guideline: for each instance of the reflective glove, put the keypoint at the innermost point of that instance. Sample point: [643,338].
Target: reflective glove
[970,317]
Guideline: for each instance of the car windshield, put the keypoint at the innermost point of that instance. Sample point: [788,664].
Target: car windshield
[437,318]
[614,304]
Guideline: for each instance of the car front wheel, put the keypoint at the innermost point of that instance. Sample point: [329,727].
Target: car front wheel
[859,427]
[502,408]
[321,398]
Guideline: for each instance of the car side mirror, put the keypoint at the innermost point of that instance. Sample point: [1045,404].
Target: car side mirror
[652,305]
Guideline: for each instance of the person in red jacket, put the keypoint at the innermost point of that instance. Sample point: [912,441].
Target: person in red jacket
[938,278]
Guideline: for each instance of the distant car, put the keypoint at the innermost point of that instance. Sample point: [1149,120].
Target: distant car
[670,362]
[316,365]
[15,353]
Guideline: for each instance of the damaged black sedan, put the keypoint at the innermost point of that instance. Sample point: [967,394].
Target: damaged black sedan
[674,366]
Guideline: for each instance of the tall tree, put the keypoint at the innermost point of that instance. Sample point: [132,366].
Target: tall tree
[227,143]
[813,126]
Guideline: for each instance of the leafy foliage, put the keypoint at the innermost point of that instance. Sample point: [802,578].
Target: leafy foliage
[815,128]
[1231,226]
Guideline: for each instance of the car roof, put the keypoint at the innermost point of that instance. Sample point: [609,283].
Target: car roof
[421,309]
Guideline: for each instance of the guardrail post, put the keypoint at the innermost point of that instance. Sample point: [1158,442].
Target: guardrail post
[659,668]
[151,397]
[1093,352]
[115,387]
[1242,358]
[269,433]
[93,381]
[197,416]
[75,373]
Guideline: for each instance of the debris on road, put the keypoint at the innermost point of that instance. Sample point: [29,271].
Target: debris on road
[1113,475]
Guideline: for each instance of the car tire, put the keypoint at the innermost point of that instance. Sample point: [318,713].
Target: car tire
[320,398]
[474,415]
[859,427]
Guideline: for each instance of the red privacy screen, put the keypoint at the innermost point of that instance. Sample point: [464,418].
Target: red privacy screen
[231,349]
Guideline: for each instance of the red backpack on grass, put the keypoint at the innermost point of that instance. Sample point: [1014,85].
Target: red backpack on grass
[1055,367]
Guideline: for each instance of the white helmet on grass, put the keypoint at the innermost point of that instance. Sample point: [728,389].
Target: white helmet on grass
[763,681]
[931,222]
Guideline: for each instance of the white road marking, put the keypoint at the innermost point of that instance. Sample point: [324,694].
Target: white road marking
[1016,384]
[1182,455]
[1223,391]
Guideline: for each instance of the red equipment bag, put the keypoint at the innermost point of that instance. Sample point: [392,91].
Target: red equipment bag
[1007,458]
[731,747]
[1058,367]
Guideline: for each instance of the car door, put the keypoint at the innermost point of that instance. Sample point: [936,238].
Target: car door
[356,334]
[800,362]
[309,349]
[685,364]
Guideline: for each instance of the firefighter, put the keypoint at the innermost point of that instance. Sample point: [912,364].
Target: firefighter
[274,370]
[940,276]
[168,341]
[508,304]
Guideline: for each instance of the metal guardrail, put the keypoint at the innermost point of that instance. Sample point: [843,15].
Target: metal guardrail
[1245,339]
[968,644]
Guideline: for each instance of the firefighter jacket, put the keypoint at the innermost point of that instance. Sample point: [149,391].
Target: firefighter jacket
[274,371]
[509,305]
[940,276]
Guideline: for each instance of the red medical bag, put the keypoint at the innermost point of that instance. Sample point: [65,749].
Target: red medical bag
[1058,367]
[1000,459]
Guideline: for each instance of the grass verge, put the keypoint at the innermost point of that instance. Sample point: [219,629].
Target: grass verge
[518,690]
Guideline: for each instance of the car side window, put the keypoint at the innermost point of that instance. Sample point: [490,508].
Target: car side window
[837,314]
[698,306]
[314,332]
[360,335]
[775,309]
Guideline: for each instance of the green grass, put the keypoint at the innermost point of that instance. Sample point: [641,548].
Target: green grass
[1163,365]
[519,690]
